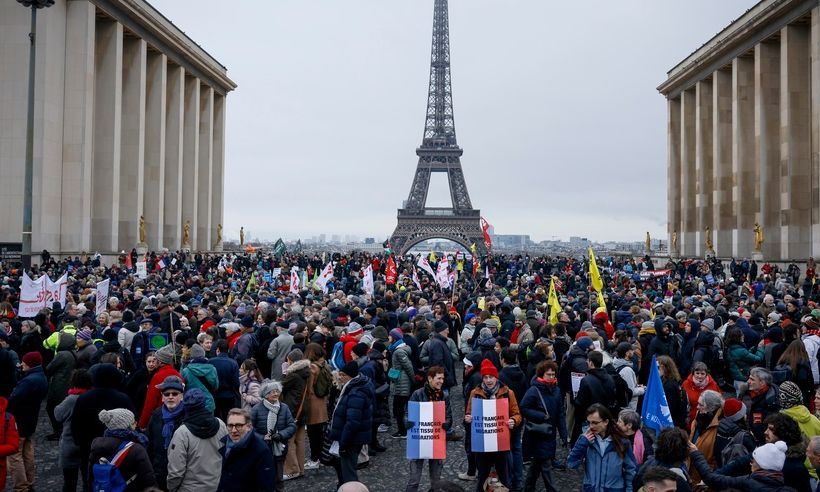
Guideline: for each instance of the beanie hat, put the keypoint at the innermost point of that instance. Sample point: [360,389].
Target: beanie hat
[440,326]
[84,334]
[734,409]
[484,334]
[488,369]
[360,349]
[790,395]
[584,343]
[193,399]
[172,382]
[771,456]
[197,352]
[33,359]
[397,334]
[118,418]
[774,317]
[165,355]
[709,323]
[247,321]
[775,334]
[295,355]
[354,329]
[351,369]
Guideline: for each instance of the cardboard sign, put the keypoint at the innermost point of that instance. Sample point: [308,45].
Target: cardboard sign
[576,382]
[489,429]
[426,440]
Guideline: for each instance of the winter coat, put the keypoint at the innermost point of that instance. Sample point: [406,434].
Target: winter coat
[812,344]
[759,407]
[136,463]
[604,469]
[285,424]
[576,361]
[502,392]
[248,466]
[628,374]
[9,439]
[60,368]
[203,376]
[538,445]
[153,397]
[741,360]
[295,389]
[421,395]
[756,482]
[441,355]
[705,442]
[84,356]
[136,386]
[278,352]
[249,389]
[104,396]
[316,406]
[351,423]
[244,348]
[25,400]
[156,444]
[69,451]
[515,379]
[727,430]
[227,371]
[808,423]
[401,360]
[693,393]
[677,402]
[596,387]
[194,463]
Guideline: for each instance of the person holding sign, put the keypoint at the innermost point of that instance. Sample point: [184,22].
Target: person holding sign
[489,407]
[422,431]
[605,453]
[544,409]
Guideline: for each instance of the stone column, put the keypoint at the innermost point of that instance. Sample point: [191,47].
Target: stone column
[174,148]
[154,175]
[190,163]
[795,148]
[218,183]
[723,216]
[688,177]
[133,142]
[105,198]
[703,162]
[78,127]
[673,172]
[814,78]
[743,154]
[767,134]
[205,229]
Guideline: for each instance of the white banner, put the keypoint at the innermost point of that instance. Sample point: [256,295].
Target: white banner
[425,265]
[443,275]
[55,291]
[367,281]
[32,296]
[277,272]
[142,270]
[294,280]
[324,277]
[102,296]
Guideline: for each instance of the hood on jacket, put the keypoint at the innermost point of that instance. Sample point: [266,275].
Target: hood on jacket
[705,339]
[200,369]
[799,413]
[301,365]
[105,376]
[65,341]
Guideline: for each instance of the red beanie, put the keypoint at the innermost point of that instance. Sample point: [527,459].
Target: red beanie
[33,359]
[488,369]
[734,409]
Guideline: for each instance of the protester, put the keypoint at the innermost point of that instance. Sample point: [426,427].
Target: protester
[153,397]
[274,422]
[543,406]
[121,435]
[761,399]
[24,404]
[695,384]
[10,442]
[318,392]
[402,381]
[250,380]
[70,459]
[247,462]
[671,454]
[605,453]
[201,375]
[703,430]
[432,391]
[227,394]
[164,421]
[295,388]
[629,422]
[350,424]
[59,372]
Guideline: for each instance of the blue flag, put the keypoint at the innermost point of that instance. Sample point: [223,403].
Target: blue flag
[655,413]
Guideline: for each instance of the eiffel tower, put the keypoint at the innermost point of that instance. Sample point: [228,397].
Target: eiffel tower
[439,153]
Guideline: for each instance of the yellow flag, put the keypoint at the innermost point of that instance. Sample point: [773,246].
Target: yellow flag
[595,278]
[652,314]
[251,283]
[473,249]
[552,300]
[481,303]
[230,299]
[433,256]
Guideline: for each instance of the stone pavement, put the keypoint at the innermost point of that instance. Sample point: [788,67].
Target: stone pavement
[387,471]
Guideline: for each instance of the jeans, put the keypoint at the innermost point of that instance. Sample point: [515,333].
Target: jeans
[399,409]
[515,459]
[417,466]
[542,466]
[346,465]
[486,462]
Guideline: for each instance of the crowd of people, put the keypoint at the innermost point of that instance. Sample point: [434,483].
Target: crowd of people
[218,372]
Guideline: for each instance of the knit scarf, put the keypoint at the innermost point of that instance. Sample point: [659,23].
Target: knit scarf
[810,331]
[77,391]
[393,346]
[774,475]
[128,435]
[638,447]
[169,418]
[273,414]
[547,381]
[490,392]
[702,385]
[432,393]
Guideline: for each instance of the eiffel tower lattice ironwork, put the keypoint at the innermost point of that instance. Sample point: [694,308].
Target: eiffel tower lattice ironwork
[439,153]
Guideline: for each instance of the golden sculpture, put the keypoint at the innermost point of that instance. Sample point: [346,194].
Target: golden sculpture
[674,240]
[186,232]
[758,236]
[218,233]
[648,242]
[242,236]
[709,245]
[142,229]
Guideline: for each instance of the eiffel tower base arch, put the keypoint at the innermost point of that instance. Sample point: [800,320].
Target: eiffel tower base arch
[413,229]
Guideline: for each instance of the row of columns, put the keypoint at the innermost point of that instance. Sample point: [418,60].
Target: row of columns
[158,141]
[743,149]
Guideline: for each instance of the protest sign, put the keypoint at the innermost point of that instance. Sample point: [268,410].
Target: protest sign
[55,291]
[426,440]
[489,430]
[32,296]
[367,280]
[142,270]
[576,382]
[102,296]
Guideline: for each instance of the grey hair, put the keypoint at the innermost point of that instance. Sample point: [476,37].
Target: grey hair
[712,400]
[814,444]
[761,374]
[631,418]
[268,386]
[700,366]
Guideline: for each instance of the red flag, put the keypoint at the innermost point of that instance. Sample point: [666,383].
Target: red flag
[128,263]
[488,243]
[391,273]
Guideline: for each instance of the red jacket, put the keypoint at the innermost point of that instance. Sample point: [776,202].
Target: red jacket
[153,398]
[9,439]
[349,342]
[693,393]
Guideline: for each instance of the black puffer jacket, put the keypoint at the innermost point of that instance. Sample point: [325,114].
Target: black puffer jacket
[105,378]
[353,417]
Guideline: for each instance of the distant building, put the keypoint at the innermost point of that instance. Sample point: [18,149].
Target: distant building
[579,242]
[369,240]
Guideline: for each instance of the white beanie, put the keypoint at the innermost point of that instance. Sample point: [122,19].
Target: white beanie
[771,456]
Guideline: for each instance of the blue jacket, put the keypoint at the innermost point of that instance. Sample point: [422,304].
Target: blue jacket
[249,466]
[353,417]
[227,370]
[285,425]
[25,400]
[604,470]
[537,445]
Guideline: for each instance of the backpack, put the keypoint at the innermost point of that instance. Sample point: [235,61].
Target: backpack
[106,474]
[735,448]
[323,382]
[337,358]
[623,395]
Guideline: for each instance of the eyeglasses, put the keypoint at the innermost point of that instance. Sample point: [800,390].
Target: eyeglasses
[171,393]
[236,426]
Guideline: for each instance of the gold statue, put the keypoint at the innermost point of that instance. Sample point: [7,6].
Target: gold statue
[242,236]
[142,229]
[648,242]
[709,245]
[218,233]
[758,236]
[186,232]
[674,240]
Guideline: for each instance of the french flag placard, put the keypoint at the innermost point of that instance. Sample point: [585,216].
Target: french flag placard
[489,430]
[427,439]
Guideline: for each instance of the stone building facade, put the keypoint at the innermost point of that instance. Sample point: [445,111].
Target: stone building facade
[129,121]
[744,137]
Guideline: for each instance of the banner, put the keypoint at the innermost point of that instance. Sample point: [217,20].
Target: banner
[485,226]
[425,265]
[55,291]
[443,273]
[324,277]
[489,429]
[390,272]
[426,440]
[576,382]
[32,296]
[655,412]
[294,280]
[416,278]
[142,270]
[654,273]
[552,300]
[102,296]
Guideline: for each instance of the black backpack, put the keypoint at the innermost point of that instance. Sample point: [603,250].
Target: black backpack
[623,394]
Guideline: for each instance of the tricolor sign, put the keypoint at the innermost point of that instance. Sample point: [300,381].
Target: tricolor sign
[489,429]
[427,439]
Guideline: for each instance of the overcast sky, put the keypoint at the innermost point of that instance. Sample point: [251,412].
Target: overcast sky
[555,107]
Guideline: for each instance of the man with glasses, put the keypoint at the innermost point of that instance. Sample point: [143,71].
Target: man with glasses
[164,421]
[247,462]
